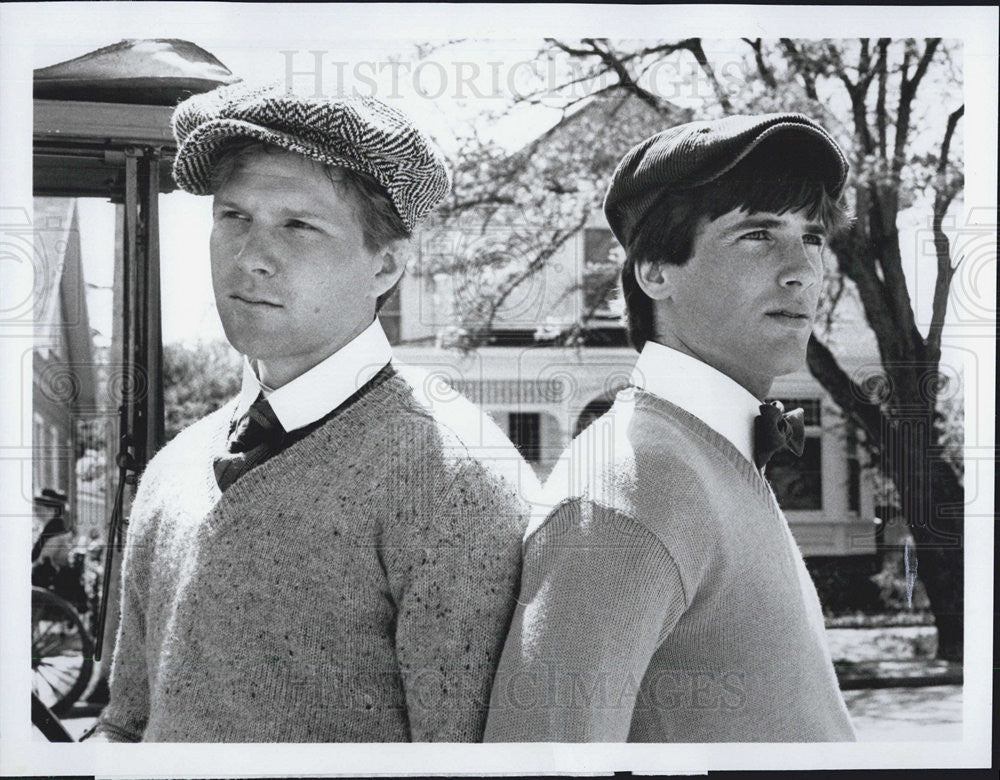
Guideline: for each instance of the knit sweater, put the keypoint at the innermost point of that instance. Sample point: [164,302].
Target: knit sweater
[663,599]
[354,587]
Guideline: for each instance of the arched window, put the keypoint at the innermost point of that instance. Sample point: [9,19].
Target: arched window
[592,411]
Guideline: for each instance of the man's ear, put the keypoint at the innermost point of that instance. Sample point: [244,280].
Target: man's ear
[654,279]
[390,263]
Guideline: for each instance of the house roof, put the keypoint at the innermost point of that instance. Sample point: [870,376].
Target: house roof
[62,323]
[632,119]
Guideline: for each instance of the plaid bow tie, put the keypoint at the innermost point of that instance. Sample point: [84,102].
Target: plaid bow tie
[774,430]
[251,440]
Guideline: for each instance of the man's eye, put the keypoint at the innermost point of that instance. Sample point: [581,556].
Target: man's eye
[299,224]
[813,239]
[230,215]
[757,235]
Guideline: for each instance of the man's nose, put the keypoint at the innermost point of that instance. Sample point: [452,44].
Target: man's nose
[256,252]
[801,266]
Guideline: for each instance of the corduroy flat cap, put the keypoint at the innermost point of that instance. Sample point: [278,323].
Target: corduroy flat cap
[696,153]
[362,134]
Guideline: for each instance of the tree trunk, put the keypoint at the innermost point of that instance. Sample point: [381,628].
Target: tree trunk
[901,435]
[941,567]
[932,505]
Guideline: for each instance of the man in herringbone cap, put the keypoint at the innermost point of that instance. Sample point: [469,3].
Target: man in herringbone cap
[325,558]
[663,598]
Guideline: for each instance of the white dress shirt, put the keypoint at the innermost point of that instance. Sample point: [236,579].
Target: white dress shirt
[325,386]
[721,403]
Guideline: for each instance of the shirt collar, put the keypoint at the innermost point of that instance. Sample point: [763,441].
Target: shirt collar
[721,403]
[325,386]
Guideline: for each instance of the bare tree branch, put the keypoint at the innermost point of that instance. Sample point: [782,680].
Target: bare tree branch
[945,192]
[907,91]
[855,259]
[884,206]
[486,199]
[886,301]
[833,297]
[857,91]
[766,74]
[803,67]
[599,297]
[614,64]
[571,49]
[870,243]
[693,45]
[865,71]
[662,48]
[539,94]
[846,393]
[625,78]
[881,66]
[534,266]
[833,55]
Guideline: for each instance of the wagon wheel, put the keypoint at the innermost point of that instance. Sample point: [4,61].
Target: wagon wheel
[62,652]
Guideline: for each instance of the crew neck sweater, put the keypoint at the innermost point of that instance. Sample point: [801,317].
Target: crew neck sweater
[663,598]
[355,587]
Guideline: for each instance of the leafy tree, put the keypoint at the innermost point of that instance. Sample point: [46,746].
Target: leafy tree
[197,379]
[894,105]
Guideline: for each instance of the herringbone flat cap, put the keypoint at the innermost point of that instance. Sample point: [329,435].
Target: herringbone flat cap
[362,134]
[696,153]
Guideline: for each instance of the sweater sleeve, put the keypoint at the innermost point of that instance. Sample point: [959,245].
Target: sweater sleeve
[453,567]
[599,592]
[124,719]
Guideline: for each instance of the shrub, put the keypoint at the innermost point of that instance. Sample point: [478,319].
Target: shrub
[845,584]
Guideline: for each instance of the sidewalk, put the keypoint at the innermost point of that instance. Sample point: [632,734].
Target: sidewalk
[930,714]
[894,688]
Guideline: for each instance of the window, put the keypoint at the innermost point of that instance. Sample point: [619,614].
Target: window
[38,459]
[57,453]
[592,411]
[49,443]
[525,431]
[390,315]
[602,261]
[853,470]
[798,482]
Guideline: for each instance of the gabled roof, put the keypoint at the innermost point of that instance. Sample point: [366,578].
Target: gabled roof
[61,315]
[618,108]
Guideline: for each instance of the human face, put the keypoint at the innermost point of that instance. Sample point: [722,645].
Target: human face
[746,300]
[293,279]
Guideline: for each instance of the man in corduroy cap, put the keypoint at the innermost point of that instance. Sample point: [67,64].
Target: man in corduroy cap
[328,557]
[663,598]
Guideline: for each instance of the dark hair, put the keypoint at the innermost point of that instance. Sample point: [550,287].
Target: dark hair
[773,178]
[381,224]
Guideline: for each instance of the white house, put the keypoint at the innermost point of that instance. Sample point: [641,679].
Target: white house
[62,362]
[544,395]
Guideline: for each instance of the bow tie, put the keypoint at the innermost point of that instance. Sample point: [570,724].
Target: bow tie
[256,434]
[774,430]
